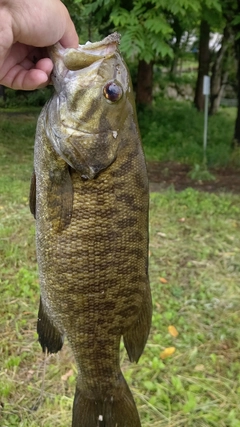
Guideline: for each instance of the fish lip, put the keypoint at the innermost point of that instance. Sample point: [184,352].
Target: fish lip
[111,38]
[80,58]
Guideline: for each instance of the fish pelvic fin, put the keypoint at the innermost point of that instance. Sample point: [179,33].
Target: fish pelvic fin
[110,411]
[136,337]
[49,336]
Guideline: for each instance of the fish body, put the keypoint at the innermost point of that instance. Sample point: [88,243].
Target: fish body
[89,195]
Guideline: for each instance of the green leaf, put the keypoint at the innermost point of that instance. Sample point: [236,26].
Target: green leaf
[190,405]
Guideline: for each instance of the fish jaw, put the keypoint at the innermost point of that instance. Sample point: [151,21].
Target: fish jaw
[83,123]
[80,150]
[84,55]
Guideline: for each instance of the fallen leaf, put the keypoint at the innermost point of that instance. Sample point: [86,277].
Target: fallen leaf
[161,234]
[199,368]
[172,331]
[182,220]
[162,280]
[167,352]
[67,375]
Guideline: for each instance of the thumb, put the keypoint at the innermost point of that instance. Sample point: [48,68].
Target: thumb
[70,36]
[6,40]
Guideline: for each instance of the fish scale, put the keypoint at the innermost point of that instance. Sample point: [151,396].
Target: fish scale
[90,199]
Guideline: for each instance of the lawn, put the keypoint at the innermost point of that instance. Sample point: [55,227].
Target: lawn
[189,374]
[174,131]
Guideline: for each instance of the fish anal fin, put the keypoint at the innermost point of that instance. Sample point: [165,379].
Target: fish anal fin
[32,195]
[136,337]
[50,338]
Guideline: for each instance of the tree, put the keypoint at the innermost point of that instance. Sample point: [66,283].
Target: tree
[223,62]
[211,18]
[203,63]
[179,29]
[232,15]
[146,31]
[219,73]
[183,29]
[144,83]
[237,47]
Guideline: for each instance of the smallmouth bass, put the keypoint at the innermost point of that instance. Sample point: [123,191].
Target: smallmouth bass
[89,194]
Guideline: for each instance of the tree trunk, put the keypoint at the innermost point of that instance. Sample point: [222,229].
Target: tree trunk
[144,83]
[174,65]
[221,92]
[219,78]
[237,48]
[203,63]
[237,123]
[178,32]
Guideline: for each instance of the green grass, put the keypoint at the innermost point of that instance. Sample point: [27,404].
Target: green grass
[174,131]
[194,273]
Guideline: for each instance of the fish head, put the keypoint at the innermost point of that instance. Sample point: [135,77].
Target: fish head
[93,100]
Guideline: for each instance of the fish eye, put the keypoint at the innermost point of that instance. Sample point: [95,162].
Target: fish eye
[113,91]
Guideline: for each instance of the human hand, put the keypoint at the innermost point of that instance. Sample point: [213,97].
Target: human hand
[26,28]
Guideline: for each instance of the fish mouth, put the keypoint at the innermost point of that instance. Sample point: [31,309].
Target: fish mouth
[85,55]
[112,38]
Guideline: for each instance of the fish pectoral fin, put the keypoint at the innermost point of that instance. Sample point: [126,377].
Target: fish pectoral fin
[49,336]
[136,337]
[60,198]
[32,195]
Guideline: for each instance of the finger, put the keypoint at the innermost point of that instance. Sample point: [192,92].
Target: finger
[6,35]
[27,75]
[16,55]
[46,65]
[21,79]
[37,53]
[70,37]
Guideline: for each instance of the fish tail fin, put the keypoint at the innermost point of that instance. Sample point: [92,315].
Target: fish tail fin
[49,336]
[109,411]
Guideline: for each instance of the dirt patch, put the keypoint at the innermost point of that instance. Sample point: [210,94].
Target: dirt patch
[165,174]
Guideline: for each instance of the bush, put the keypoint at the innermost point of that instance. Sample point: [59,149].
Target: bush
[20,98]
